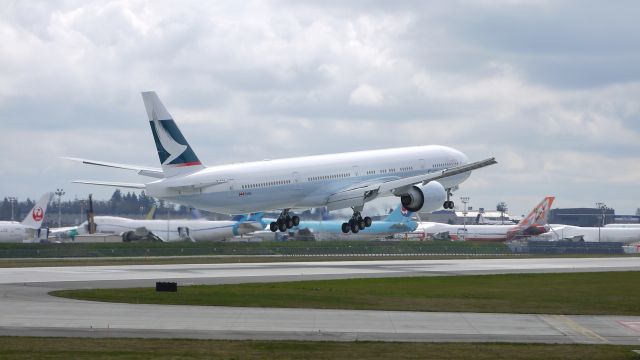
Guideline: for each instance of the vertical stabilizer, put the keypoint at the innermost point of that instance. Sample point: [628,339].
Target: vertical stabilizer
[175,153]
[535,223]
[539,215]
[36,216]
[399,214]
[151,215]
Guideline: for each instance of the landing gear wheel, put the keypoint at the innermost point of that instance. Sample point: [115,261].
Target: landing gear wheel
[289,222]
[273,226]
[296,220]
[282,226]
[361,224]
[346,228]
[353,224]
[367,221]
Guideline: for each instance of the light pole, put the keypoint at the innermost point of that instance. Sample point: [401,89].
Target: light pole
[502,207]
[12,201]
[59,193]
[465,201]
[81,211]
[602,207]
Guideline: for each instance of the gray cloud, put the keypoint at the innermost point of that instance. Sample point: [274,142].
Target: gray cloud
[549,88]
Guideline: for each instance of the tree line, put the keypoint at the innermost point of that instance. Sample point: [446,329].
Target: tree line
[120,204]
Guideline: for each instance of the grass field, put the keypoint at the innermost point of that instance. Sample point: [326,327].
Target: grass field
[76,348]
[285,248]
[571,293]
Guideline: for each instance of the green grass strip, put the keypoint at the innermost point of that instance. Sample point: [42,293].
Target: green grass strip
[96,349]
[569,293]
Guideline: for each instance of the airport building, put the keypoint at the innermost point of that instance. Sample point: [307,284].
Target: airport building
[585,217]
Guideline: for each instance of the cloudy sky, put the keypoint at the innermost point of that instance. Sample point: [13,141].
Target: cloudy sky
[550,88]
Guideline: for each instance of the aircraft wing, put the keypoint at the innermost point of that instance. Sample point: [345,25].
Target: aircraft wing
[143,232]
[141,170]
[156,237]
[366,191]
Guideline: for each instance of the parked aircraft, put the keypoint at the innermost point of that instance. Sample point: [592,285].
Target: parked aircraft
[625,235]
[13,231]
[173,230]
[622,226]
[423,177]
[398,221]
[533,224]
[70,232]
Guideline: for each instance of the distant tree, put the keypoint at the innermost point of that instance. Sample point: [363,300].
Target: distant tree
[116,200]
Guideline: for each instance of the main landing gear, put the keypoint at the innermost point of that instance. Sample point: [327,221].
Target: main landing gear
[356,223]
[284,222]
[448,204]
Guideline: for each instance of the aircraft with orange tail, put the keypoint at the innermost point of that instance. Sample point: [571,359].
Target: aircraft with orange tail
[534,224]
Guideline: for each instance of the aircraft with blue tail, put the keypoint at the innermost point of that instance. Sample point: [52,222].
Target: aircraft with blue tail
[400,220]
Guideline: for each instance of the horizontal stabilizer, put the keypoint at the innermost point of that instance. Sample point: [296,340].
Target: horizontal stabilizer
[141,170]
[111,183]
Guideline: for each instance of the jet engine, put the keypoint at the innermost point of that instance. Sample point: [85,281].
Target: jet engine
[427,197]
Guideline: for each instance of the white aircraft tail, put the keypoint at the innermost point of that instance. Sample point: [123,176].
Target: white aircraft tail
[36,216]
[175,153]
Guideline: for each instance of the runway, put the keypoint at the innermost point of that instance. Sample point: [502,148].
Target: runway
[28,310]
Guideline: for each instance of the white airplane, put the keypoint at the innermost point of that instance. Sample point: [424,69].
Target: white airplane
[623,226]
[173,230]
[625,235]
[13,231]
[421,176]
[534,224]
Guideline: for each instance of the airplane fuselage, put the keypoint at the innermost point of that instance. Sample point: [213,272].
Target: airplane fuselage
[169,230]
[468,232]
[594,234]
[377,228]
[302,182]
[12,231]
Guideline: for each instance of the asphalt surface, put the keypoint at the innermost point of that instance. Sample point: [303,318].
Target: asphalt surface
[28,310]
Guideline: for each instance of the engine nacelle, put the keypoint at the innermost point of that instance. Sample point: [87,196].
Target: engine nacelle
[427,197]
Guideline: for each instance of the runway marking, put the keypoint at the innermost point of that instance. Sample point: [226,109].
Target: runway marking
[577,328]
[633,325]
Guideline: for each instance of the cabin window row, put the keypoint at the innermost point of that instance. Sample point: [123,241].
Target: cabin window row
[446,164]
[328,177]
[265,184]
[392,170]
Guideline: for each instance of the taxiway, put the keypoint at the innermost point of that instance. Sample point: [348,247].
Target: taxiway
[29,310]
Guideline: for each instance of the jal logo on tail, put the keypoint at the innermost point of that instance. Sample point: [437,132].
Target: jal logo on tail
[37,214]
[172,147]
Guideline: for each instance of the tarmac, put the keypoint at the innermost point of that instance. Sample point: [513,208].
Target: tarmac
[28,310]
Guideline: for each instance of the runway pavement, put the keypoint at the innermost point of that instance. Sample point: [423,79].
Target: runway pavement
[28,310]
